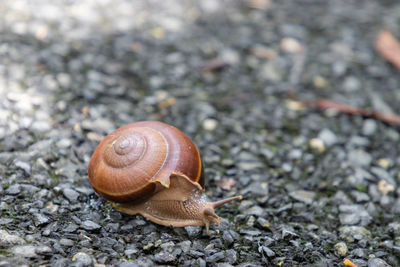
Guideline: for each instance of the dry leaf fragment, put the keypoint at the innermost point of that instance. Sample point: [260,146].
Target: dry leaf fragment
[348,263]
[388,47]
[214,65]
[384,187]
[227,184]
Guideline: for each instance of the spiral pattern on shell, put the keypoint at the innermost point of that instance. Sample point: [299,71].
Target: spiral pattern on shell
[127,164]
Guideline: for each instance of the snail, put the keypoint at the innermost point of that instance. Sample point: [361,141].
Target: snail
[153,169]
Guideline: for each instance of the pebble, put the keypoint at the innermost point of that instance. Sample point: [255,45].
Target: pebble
[269,252]
[291,45]
[351,233]
[257,189]
[90,225]
[328,137]
[341,249]
[304,196]
[317,144]
[228,238]
[193,231]
[26,167]
[377,262]
[255,210]
[215,257]
[359,158]
[164,257]
[7,239]
[351,84]
[369,127]
[360,196]
[210,124]
[66,242]
[41,126]
[40,219]
[185,245]
[27,251]
[14,189]
[382,174]
[394,228]
[354,214]
[71,194]
[83,259]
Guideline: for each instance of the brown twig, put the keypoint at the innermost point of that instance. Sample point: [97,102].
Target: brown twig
[214,64]
[368,113]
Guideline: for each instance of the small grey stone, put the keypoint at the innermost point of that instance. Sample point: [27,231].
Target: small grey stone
[26,167]
[288,233]
[360,196]
[70,228]
[215,257]
[231,256]
[228,238]
[224,264]
[386,201]
[201,262]
[269,252]
[257,188]
[250,232]
[185,245]
[369,127]
[358,252]
[82,258]
[341,249]
[358,157]
[394,228]
[64,143]
[40,219]
[351,84]
[377,262]
[255,210]
[71,194]
[66,242]
[27,251]
[328,137]
[287,167]
[41,126]
[382,174]
[90,225]
[131,252]
[374,193]
[396,207]
[168,246]
[354,214]
[4,221]
[43,250]
[7,239]
[164,257]
[302,195]
[354,232]
[295,154]
[249,165]
[14,189]
[193,231]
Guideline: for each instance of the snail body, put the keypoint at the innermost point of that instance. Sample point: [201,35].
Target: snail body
[153,169]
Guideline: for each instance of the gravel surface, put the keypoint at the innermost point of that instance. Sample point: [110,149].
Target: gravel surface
[318,187]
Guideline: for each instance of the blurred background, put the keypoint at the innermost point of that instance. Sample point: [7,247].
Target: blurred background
[235,76]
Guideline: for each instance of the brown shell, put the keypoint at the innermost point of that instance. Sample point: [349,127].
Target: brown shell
[129,161]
